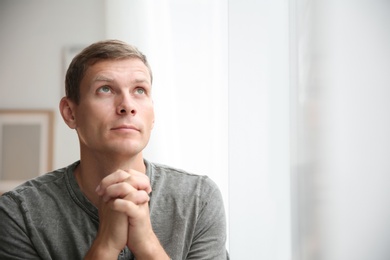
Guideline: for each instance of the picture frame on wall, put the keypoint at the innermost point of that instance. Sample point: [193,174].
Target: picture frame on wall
[26,146]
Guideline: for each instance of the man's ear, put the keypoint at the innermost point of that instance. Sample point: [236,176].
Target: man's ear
[67,110]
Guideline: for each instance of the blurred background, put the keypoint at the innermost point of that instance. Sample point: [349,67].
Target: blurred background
[283,103]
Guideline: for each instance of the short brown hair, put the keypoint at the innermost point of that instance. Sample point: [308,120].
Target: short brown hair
[102,50]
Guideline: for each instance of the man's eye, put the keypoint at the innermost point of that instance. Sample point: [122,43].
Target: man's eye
[140,91]
[104,89]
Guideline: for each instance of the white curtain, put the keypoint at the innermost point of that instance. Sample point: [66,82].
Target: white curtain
[342,175]
[186,43]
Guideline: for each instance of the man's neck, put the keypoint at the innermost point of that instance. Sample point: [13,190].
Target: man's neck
[92,169]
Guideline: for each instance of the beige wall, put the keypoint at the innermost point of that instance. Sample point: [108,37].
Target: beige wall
[33,37]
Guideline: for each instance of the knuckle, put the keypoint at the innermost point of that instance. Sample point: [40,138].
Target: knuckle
[121,174]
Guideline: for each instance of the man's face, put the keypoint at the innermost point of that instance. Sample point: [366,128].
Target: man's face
[115,114]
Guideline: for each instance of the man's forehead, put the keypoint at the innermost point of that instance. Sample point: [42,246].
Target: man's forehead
[105,78]
[105,70]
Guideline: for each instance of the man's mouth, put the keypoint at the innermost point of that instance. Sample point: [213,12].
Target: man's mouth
[125,128]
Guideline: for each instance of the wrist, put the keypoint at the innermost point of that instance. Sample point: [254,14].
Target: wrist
[151,250]
[102,251]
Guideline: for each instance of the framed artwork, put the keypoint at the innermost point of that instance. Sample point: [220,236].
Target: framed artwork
[26,145]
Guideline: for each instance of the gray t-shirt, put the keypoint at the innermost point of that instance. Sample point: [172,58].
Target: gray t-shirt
[50,218]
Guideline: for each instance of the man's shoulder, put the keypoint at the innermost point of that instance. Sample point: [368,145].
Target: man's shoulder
[179,179]
[51,182]
[165,171]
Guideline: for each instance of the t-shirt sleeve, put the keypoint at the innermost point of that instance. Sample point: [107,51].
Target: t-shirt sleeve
[14,240]
[209,240]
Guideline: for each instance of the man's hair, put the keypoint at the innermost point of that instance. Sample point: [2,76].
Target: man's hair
[99,51]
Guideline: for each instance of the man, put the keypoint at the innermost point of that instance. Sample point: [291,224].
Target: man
[112,203]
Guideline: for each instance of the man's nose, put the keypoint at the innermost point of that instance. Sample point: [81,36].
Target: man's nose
[126,105]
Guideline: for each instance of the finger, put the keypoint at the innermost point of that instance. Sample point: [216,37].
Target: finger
[139,180]
[136,179]
[115,177]
[138,197]
[126,191]
[117,190]
[132,210]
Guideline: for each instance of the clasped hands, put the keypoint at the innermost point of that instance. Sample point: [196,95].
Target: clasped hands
[124,217]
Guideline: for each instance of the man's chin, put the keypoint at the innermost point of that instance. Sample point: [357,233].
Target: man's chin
[126,149]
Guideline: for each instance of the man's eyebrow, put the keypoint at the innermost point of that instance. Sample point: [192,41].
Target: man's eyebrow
[141,81]
[102,78]
[108,79]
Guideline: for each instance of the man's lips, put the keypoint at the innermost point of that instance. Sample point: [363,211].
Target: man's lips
[125,128]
